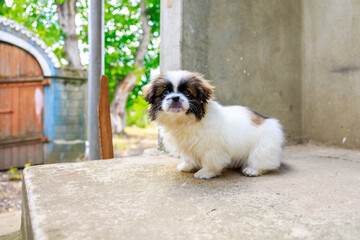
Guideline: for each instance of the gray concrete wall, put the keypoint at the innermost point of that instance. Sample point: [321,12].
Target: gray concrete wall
[254,57]
[251,50]
[171,34]
[184,36]
[195,36]
[331,80]
[297,61]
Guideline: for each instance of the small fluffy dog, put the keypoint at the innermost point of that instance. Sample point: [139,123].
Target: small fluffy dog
[207,136]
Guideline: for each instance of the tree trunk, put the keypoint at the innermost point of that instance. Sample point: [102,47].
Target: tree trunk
[67,12]
[124,88]
[118,113]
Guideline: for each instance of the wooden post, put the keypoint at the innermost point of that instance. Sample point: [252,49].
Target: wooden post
[105,133]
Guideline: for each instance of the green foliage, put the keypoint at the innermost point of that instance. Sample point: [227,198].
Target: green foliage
[40,18]
[136,111]
[27,165]
[12,170]
[122,37]
[16,174]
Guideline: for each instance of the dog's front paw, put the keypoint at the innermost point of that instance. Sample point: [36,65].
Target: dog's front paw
[205,174]
[186,167]
[250,172]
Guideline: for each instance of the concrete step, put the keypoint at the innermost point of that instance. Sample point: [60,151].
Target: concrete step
[314,195]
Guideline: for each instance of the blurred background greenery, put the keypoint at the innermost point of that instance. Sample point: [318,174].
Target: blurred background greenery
[123,34]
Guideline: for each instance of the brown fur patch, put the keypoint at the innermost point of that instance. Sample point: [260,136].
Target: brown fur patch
[155,88]
[153,93]
[257,118]
[201,84]
[200,93]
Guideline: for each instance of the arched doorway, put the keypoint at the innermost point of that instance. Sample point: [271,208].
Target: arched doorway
[21,107]
[33,111]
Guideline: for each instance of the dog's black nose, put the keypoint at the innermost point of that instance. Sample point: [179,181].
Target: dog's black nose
[175,99]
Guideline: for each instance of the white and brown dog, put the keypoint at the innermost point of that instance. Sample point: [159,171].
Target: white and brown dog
[207,136]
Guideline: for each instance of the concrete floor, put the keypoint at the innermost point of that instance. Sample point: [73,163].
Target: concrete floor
[314,195]
[9,222]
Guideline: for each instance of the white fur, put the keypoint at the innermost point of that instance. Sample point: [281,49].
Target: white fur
[225,137]
[166,103]
[176,76]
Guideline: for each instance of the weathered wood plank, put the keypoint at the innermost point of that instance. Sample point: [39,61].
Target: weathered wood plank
[2,60]
[2,160]
[14,65]
[15,116]
[6,67]
[22,155]
[30,153]
[14,154]
[23,64]
[30,66]
[105,133]
[22,140]
[21,84]
[38,158]
[32,128]
[22,111]
[21,79]
[2,116]
[7,158]
[6,125]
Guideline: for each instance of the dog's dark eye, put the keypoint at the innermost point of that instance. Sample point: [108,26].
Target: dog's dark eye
[187,93]
[166,92]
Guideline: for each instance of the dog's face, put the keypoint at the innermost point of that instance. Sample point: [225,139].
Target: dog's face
[178,93]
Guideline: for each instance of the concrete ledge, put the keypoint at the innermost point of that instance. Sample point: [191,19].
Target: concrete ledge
[315,195]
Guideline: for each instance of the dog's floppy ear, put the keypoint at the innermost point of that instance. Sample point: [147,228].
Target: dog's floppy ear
[149,90]
[205,89]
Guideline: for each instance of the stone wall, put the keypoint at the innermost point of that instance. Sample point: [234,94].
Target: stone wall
[68,113]
[293,60]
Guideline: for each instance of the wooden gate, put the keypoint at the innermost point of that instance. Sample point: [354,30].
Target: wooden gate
[21,108]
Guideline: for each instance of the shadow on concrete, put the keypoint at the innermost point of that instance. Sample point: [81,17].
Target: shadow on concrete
[283,169]
[228,175]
